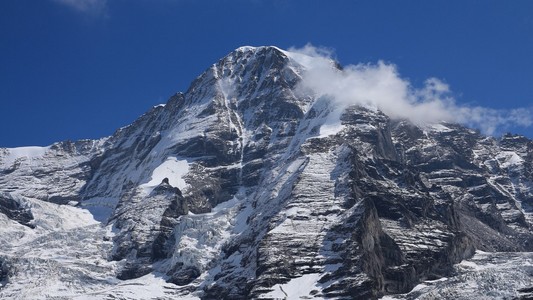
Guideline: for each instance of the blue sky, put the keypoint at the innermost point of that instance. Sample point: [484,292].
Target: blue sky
[73,69]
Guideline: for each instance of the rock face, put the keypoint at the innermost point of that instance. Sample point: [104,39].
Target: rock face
[16,209]
[231,191]
[138,246]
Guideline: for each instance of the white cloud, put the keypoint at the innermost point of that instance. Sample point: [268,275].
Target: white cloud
[380,86]
[92,7]
[313,51]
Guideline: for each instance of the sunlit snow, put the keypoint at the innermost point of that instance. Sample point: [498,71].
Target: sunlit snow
[28,152]
[173,169]
[297,288]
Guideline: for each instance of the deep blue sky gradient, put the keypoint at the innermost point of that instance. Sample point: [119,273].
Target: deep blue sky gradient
[67,74]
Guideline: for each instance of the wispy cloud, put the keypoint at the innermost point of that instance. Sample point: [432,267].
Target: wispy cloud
[90,7]
[380,86]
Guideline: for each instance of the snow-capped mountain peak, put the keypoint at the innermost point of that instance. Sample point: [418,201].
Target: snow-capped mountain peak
[250,185]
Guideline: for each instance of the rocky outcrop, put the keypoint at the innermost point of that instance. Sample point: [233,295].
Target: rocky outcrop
[525,293]
[56,173]
[5,270]
[16,209]
[145,224]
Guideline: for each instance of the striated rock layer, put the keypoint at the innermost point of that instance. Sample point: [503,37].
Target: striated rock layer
[231,190]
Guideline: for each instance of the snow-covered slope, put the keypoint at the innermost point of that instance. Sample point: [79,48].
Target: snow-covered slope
[243,188]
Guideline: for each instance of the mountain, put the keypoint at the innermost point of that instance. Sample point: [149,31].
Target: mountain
[243,188]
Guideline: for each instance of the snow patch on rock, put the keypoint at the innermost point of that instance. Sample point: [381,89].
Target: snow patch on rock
[173,169]
[297,288]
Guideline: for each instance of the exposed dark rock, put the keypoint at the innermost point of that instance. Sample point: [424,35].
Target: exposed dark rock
[134,269]
[525,294]
[5,271]
[145,224]
[183,276]
[16,209]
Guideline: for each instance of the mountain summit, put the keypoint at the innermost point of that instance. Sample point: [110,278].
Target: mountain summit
[251,186]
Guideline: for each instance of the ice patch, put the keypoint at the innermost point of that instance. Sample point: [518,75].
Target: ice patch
[297,288]
[330,129]
[173,169]
[200,237]
[100,207]
[508,159]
